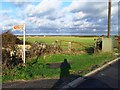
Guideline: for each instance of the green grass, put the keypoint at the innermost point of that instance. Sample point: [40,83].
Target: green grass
[77,41]
[40,70]
[52,39]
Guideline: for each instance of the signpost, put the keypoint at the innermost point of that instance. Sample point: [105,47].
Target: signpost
[21,27]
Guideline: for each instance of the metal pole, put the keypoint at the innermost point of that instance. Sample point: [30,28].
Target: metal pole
[109,17]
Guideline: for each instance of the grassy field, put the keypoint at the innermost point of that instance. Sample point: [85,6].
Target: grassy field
[77,42]
[51,39]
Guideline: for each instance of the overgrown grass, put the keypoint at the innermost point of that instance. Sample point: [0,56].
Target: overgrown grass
[40,70]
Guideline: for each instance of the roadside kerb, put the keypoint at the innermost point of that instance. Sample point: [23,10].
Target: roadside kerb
[81,79]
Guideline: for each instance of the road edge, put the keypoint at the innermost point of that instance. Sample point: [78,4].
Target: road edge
[81,79]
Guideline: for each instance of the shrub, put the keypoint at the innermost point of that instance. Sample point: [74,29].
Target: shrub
[9,42]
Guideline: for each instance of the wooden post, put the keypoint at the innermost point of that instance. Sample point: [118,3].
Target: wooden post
[69,46]
[109,17]
[56,44]
[60,43]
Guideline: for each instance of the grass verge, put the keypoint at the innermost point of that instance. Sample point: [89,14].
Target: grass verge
[80,64]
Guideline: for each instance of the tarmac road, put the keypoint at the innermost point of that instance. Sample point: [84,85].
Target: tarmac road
[37,84]
[107,78]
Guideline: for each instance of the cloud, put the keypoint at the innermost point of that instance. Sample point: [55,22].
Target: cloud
[89,8]
[78,21]
[78,16]
[5,11]
[43,8]
[45,14]
[8,21]
[19,3]
[48,16]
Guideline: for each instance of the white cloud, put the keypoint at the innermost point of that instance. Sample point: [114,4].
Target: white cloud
[29,10]
[94,30]
[76,11]
[9,21]
[96,9]
[18,1]
[5,11]
[75,6]
[114,9]
[43,8]
[100,20]
[49,15]
[79,15]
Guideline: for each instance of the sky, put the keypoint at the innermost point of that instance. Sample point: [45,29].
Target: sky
[58,17]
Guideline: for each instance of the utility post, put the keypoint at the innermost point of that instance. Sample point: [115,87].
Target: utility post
[109,17]
[107,43]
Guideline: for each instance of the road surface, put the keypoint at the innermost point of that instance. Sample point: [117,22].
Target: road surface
[107,78]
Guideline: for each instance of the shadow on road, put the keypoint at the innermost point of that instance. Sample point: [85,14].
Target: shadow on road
[65,76]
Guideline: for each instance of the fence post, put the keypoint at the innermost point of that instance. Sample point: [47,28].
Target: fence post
[69,46]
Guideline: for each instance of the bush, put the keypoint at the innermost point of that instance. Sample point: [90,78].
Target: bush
[9,42]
